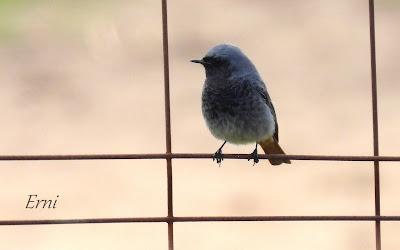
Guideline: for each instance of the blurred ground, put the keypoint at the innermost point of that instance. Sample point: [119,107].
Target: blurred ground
[87,77]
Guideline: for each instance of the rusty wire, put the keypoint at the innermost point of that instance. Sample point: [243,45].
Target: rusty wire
[167,105]
[375,123]
[199,219]
[78,157]
[170,219]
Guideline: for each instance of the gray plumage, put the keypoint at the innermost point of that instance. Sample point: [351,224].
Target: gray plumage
[235,102]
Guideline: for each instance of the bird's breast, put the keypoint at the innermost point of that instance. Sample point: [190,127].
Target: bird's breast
[237,113]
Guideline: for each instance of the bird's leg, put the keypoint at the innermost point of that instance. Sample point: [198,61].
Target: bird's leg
[218,155]
[254,156]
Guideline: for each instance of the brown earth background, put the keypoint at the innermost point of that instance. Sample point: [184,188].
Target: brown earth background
[87,77]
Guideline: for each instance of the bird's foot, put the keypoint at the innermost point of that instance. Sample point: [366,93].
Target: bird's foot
[254,156]
[219,157]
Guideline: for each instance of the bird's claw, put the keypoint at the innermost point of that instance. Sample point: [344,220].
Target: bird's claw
[254,156]
[218,156]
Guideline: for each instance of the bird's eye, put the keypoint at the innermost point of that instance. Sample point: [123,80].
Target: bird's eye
[207,59]
[217,60]
[213,60]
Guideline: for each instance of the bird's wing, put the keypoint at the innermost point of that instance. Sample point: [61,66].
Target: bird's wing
[264,93]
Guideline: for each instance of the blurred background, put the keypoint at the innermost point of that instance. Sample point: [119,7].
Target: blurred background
[87,77]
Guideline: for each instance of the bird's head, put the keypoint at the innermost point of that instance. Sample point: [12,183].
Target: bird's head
[226,61]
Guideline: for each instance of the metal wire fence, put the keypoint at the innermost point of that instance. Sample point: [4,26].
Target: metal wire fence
[170,219]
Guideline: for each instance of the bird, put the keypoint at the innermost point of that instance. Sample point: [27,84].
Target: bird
[236,105]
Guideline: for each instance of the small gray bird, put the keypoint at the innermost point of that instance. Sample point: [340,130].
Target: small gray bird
[236,104]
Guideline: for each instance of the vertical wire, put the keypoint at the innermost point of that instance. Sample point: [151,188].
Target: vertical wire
[375,123]
[167,123]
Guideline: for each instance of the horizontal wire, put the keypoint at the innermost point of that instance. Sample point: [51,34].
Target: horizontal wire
[83,221]
[193,156]
[199,219]
[288,218]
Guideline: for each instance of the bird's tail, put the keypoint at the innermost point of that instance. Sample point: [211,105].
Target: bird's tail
[270,146]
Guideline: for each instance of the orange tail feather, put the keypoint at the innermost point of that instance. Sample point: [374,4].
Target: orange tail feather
[270,146]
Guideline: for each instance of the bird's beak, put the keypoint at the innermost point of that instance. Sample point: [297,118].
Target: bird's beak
[198,61]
